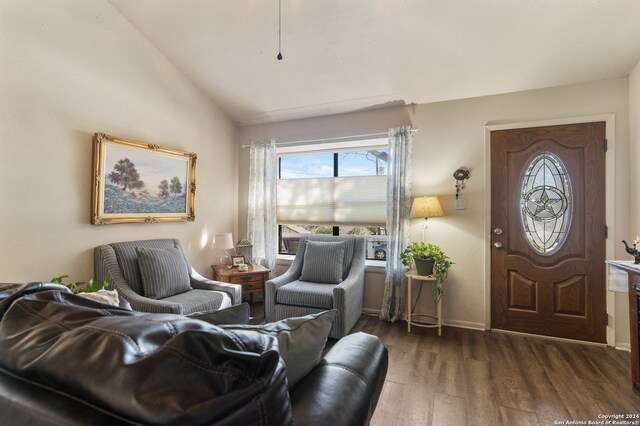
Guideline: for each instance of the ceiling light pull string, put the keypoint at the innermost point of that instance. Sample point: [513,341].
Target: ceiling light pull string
[279,30]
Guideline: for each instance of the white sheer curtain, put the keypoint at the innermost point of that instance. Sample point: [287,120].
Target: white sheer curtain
[261,217]
[398,208]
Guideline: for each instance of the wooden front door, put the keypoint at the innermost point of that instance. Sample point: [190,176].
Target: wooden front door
[548,231]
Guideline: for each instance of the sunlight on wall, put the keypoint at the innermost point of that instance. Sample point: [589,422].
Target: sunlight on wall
[204,238]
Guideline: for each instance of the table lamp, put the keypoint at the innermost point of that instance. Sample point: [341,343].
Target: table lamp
[426,207]
[222,243]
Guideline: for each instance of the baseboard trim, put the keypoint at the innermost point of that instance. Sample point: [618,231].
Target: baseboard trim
[464,324]
[623,346]
[557,339]
[446,323]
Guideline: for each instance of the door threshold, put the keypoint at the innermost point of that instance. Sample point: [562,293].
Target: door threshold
[556,339]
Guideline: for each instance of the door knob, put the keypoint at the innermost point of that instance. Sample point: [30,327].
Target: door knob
[497,245]
[497,231]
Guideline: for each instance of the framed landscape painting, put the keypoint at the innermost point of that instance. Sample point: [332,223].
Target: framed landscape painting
[139,182]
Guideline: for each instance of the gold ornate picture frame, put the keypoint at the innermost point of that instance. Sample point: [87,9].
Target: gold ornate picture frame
[139,182]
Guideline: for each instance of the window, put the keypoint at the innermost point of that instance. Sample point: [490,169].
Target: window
[545,203]
[339,192]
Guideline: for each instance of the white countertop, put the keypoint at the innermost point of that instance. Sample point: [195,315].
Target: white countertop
[618,279]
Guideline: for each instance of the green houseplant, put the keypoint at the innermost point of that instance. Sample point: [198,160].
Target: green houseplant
[80,286]
[433,258]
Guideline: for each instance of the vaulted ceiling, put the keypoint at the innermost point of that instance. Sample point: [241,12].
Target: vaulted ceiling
[342,56]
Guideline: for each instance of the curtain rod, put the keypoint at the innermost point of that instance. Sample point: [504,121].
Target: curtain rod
[314,141]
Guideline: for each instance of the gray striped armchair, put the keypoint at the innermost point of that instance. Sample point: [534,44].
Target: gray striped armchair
[289,296]
[118,264]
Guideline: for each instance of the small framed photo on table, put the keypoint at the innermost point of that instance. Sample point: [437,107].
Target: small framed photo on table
[237,260]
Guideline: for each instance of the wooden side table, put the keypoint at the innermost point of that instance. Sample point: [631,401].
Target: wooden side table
[633,272]
[251,281]
[411,276]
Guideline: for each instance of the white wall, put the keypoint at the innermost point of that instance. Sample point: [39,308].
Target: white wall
[634,151]
[452,135]
[69,68]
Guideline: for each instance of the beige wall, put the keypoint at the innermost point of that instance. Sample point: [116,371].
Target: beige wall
[70,68]
[452,135]
[634,148]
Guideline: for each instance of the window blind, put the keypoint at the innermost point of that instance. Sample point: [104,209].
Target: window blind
[359,200]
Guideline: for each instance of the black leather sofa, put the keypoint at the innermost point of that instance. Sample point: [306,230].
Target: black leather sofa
[65,360]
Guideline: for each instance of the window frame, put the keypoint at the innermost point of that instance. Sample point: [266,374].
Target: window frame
[335,149]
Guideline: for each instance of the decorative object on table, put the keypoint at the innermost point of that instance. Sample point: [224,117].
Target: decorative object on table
[243,267]
[428,259]
[426,207]
[222,243]
[139,182]
[245,248]
[635,251]
[237,260]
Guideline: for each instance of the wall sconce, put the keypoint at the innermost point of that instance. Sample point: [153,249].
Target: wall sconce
[460,176]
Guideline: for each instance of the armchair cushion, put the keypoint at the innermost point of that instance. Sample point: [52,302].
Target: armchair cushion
[164,272]
[200,301]
[236,314]
[300,340]
[323,262]
[311,295]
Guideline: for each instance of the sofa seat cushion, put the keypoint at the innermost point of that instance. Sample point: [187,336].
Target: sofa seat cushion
[200,301]
[301,293]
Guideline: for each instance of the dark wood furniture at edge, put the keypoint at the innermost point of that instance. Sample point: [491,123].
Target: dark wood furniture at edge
[252,281]
[634,319]
[634,298]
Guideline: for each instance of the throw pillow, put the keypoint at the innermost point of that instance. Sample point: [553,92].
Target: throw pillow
[164,272]
[323,262]
[238,314]
[300,340]
[108,297]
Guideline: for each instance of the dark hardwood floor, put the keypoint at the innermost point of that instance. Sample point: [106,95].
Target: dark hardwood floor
[469,377]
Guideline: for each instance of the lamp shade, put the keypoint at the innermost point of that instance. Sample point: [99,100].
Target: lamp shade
[223,241]
[426,207]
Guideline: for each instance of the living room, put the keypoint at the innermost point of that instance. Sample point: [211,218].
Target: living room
[72,68]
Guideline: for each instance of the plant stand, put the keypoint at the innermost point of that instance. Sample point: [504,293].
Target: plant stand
[411,276]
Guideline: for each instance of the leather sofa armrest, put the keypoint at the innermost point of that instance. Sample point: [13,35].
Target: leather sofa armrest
[350,375]
[23,402]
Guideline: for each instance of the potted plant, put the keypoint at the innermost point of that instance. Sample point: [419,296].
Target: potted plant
[428,259]
[81,287]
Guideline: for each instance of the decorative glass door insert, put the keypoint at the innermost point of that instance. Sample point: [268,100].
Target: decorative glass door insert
[546,203]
